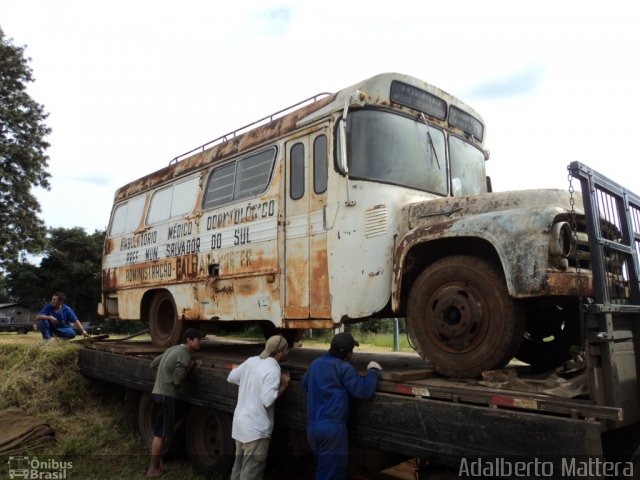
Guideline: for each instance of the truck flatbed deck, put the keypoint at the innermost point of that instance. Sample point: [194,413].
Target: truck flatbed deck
[432,417]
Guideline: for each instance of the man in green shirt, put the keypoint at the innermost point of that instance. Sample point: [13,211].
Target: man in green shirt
[173,366]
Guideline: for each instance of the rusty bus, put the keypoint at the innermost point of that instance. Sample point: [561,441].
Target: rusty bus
[369,202]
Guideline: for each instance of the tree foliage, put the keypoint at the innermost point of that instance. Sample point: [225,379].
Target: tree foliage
[23,161]
[72,264]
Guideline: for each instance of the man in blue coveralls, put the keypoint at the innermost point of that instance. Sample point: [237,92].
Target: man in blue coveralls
[56,319]
[329,382]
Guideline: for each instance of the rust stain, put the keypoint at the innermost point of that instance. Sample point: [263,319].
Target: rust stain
[568,283]
[410,240]
[223,290]
[308,324]
[319,294]
[191,314]
[109,246]
[187,267]
[248,287]
[297,293]
[109,280]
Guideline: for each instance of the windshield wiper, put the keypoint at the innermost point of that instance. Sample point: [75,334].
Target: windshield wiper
[433,148]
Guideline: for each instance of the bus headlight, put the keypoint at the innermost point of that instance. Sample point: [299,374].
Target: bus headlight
[560,241]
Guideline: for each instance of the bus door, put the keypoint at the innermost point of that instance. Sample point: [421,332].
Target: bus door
[306,271]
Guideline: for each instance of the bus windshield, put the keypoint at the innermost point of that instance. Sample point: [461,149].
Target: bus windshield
[390,148]
[467,165]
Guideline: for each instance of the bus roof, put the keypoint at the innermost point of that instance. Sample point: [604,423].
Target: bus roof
[386,89]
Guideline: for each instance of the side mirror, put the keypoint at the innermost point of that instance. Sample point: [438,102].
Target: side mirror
[342,154]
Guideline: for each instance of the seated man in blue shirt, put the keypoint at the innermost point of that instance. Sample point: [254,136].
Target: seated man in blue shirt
[56,319]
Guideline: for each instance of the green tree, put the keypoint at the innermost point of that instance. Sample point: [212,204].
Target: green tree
[23,161]
[24,285]
[72,264]
[4,292]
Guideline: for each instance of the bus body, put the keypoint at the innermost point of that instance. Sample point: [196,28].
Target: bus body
[372,201]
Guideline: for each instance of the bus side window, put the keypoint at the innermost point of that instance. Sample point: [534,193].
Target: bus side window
[174,201]
[220,186]
[296,179]
[240,179]
[320,167]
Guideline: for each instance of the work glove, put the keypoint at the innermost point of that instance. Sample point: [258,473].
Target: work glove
[375,365]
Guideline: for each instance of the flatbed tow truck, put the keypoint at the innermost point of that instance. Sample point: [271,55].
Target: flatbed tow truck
[579,421]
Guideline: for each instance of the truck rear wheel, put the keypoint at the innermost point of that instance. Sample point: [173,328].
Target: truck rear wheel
[551,329]
[209,442]
[164,325]
[461,318]
[146,430]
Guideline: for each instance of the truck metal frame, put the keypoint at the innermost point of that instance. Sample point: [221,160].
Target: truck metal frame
[611,316]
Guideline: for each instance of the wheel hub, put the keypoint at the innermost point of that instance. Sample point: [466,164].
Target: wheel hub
[456,319]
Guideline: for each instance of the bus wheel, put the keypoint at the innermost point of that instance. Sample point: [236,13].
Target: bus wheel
[551,329]
[209,443]
[164,325]
[461,318]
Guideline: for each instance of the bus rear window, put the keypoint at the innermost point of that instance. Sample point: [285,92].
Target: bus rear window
[126,216]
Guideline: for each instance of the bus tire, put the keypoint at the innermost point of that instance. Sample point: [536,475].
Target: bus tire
[208,441]
[461,318]
[164,325]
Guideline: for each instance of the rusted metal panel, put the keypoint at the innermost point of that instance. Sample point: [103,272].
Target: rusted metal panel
[320,297]
[516,224]
[312,323]
[296,235]
[437,210]
[204,260]
[292,312]
[257,299]
[297,279]
[568,283]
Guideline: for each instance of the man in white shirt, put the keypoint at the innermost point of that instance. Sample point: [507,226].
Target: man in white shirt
[260,382]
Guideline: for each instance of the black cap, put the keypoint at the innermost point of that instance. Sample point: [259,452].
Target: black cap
[192,333]
[343,342]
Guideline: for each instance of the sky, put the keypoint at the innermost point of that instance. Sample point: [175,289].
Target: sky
[129,85]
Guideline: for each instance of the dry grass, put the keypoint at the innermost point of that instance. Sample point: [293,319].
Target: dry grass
[43,379]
